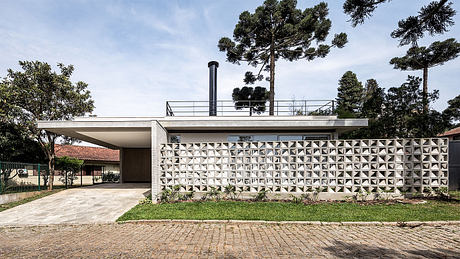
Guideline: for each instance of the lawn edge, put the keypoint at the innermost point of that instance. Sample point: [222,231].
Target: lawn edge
[317,223]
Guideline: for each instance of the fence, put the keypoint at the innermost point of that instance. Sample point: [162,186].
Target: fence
[334,166]
[11,174]
[251,108]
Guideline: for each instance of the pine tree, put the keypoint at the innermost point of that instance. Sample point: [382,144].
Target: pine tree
[277,29]
[349,96]
[423,58]
[434,18]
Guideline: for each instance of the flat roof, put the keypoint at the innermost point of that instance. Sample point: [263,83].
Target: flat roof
[116,132]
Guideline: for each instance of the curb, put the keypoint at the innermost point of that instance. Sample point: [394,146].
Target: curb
[316,223]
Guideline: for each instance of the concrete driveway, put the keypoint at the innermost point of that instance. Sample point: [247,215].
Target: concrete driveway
[94,204]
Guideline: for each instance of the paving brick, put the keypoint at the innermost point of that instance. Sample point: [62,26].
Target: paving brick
[229,240]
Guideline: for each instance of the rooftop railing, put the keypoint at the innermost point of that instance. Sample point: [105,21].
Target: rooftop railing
[251,108]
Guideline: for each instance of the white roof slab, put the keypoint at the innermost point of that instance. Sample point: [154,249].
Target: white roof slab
[134,132]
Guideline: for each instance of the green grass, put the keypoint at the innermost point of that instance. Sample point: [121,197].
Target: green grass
[26,200]
[284,211]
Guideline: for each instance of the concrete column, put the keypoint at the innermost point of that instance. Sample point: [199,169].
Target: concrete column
[159,136]
[121,165]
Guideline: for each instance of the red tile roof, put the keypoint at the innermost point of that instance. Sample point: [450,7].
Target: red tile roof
[88,153]
[452,132]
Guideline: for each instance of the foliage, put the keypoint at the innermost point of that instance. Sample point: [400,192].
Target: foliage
[399,113]
[350,96]
[38,93]
[434,18]
[288,211]
[252,98]
[69,168]
[277,29]
[261,195]
[213,194]
[423,58]
[174,194]
[231,192]
[452,113]
[16,146]
[111,177]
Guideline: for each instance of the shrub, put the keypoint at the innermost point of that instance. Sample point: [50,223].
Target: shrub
[261,195]
[212,194]
[231,192]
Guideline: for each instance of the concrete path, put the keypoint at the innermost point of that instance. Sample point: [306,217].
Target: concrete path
[94,204]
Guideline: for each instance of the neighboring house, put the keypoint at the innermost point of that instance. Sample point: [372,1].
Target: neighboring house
[453,134]
[203,144]
[96,162]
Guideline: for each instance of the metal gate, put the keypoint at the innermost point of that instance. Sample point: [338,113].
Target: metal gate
[454,165]
[21,177]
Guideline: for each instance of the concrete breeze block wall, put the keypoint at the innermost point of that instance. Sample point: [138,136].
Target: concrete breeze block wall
[337,166]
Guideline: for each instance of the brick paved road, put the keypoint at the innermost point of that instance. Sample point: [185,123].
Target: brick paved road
[185,240]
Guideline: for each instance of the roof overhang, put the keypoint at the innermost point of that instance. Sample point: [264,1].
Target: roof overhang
[136,132]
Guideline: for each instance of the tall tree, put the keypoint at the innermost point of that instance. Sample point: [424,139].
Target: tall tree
[423,58]
[452,112]
[38,93]
[277,29]
[252,98]
[434,18]
[349,96]
[403,114]
[374,97]
[16,146]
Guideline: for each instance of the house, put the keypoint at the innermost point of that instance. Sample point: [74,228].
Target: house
[97,161]
[210,143]
[453,134]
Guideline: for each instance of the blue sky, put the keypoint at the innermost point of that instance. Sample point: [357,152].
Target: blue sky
[135,55]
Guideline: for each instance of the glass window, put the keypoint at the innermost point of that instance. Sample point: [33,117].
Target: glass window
[290,137]
[264,138]
[316,137]
[174,138]
[240,138]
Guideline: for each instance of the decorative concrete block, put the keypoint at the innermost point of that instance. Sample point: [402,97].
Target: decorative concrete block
[334,166]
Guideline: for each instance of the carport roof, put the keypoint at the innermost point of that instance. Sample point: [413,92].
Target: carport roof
[135,132]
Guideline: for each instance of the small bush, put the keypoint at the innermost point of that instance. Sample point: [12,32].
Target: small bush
[231,192]
[261,195]
[213,194]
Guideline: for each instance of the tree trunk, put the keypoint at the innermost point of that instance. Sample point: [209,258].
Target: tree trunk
[425,90]
[51,169]
[272,79]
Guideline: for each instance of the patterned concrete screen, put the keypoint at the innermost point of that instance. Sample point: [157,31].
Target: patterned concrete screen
[335,166]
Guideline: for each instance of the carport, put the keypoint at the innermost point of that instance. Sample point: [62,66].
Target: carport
[131,136]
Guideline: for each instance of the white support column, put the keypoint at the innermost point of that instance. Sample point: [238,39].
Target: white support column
[159,136]
[121,164]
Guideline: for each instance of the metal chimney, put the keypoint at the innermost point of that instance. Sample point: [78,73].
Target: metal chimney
[213,65]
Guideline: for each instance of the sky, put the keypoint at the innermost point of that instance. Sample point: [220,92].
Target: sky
[136,55]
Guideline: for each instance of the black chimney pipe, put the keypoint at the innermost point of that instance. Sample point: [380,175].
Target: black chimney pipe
[213,65]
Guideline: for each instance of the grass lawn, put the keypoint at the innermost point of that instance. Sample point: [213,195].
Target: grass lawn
[285,211]
[26,200]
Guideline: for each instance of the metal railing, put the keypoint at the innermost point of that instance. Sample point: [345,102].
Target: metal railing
[13,177]
[251,108]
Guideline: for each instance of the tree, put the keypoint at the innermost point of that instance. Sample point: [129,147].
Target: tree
[452,112]
[252,98]
[278,30]
[423,58]
[69,167]
[38,93]
[349,96]
[374,98]
[403,115]
[434,18]
[16,146]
